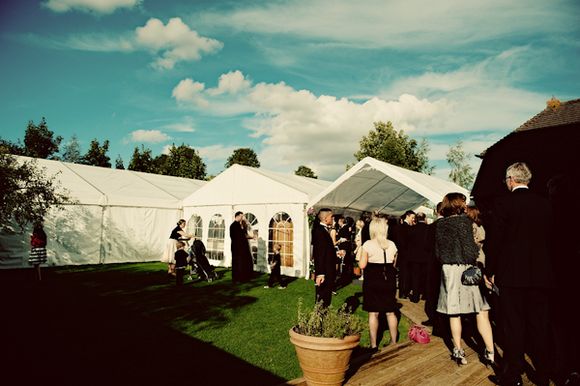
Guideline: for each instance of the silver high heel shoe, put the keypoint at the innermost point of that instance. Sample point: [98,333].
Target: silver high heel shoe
[459,356]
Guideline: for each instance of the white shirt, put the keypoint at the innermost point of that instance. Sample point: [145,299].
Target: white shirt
[376,253]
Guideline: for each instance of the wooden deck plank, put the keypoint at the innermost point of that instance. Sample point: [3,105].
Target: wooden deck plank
[411,364]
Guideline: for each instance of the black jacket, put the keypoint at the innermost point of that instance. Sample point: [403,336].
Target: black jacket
[454,243]
[518,244]
[323,253]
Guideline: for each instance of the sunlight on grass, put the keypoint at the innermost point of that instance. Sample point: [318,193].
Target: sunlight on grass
[245,320]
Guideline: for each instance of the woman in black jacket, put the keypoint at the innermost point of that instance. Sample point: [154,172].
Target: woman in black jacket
[456,250]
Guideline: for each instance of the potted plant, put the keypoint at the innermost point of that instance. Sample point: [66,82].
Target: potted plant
[324,339]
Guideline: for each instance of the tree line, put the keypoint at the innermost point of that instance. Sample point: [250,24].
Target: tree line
[180,161]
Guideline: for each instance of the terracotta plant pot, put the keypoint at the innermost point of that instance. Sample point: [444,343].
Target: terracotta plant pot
[324,361]
[356,271]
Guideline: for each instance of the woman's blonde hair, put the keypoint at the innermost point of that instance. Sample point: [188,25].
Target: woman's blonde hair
[378,231]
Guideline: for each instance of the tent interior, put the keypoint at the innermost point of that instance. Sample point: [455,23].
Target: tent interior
[373,185]
[115,216]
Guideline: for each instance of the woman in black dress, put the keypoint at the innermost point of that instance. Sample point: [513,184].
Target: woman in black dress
[379,286]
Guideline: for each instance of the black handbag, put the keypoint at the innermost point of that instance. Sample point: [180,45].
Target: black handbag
[471,276]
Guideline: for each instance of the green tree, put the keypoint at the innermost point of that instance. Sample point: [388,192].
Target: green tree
[71,151]
[119,163]
[386,144]
[10,147]
[39,141]
[243,156]
[461,172]
[160,165]
[142,161]
[97,154]
[26,192]
[184,161]
[305,171]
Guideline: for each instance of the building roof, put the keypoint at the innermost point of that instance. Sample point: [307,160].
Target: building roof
[555,114]
[564,113]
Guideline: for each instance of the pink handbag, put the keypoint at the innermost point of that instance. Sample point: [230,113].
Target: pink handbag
[419,334]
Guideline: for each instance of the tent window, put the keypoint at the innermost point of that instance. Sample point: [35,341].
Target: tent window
[195,226]
[253,229]
[281,231]
[215,237]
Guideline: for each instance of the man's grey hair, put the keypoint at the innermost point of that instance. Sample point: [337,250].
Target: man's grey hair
[519,172]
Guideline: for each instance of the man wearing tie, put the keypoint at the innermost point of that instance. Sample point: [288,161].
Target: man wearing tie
[324,255]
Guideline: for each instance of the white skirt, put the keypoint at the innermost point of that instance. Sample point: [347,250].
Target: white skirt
[456,298]
[169,252]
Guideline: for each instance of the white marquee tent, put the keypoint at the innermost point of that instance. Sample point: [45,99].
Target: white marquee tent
[375,185]
[275,204]
[117,216]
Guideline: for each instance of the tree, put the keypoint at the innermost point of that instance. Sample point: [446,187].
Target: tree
[26,192]
[142,161]
[461,172]
[39,141]
[97,155]
[386,144]
[184,161]
[72,151]
[305,171]
[243,156]
[10,147]
[119,163]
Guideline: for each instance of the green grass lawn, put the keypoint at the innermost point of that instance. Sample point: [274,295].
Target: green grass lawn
[244,320]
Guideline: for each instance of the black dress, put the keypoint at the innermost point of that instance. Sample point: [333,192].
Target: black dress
[380,285]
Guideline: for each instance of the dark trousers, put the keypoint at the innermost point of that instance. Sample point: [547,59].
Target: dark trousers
[525,322]
[275,277]
[418,275]
[404,278]
[179,272]
[324,291]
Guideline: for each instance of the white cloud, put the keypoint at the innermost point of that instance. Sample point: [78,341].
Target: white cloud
[189,91]
[231,83]
[170,44]
[96,6]
[410,24]
[175,42]
[186,126]
[148,136]
[298,127]
[216,152]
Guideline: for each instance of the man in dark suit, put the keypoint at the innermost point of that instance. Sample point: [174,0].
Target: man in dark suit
[518,262]
[402,240]
[324,255]
[418,258]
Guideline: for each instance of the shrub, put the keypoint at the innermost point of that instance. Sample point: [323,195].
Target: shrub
[327,322]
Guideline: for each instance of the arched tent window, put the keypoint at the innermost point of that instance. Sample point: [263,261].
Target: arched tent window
[281,231]
[253,229]
[215,237]
[195,226]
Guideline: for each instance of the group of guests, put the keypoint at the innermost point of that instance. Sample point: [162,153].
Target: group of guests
[428,261]
[177,258]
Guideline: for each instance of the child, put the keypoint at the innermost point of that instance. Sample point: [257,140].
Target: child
[180,262]
[37,248]
[275,261]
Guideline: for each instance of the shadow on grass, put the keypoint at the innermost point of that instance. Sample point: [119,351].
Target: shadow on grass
[72,331]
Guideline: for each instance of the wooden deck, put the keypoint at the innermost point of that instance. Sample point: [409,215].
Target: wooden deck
[413,364]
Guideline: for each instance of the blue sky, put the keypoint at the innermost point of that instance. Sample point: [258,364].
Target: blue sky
[300,82]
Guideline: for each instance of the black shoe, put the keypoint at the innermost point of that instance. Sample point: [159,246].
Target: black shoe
[428,322]
[414,299]
[506,382]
